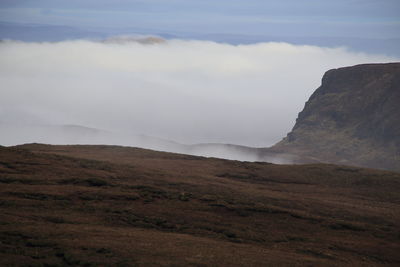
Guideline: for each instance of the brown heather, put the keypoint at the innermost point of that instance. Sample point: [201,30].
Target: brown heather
[119,206]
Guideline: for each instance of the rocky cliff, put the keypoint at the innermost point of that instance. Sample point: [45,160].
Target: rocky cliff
[352,118]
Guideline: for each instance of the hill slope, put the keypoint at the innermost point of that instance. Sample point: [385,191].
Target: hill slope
[108,205]
[352,118]
[22,133]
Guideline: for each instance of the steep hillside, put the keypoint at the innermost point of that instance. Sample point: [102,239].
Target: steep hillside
[352,118]
[109,205]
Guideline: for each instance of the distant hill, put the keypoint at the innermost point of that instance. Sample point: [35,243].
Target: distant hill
[29,32]
[352,118]
[126,39]
[33,132]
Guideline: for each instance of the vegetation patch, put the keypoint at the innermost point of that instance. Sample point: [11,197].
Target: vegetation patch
[96,182]
[346,226]
[54,219]
[38,196]
[12,180]
[318,254]
[86,182]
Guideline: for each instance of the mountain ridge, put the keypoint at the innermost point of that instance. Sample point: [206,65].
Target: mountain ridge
[352,118]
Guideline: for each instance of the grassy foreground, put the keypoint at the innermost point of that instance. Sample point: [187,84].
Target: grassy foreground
[108,205]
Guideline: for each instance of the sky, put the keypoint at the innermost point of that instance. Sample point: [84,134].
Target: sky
[341,18]
[223,72]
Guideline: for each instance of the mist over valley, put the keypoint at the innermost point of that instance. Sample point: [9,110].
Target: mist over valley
[188,92]
[199,133]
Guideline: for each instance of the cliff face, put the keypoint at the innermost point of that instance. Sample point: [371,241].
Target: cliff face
[352,118]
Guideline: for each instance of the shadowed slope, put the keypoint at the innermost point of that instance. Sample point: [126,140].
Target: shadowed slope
[353,118]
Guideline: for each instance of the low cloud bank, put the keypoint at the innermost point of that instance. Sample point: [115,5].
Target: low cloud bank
[186,91]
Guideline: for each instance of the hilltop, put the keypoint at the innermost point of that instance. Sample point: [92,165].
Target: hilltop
[110,205]
[353,118]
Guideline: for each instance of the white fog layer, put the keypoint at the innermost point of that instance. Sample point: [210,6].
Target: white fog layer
[189,92]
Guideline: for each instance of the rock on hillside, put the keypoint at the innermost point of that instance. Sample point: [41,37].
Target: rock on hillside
[352,118]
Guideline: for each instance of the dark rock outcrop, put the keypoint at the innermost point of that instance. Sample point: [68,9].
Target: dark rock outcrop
[352,118]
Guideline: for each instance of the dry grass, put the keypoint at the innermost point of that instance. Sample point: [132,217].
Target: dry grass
[105,205]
